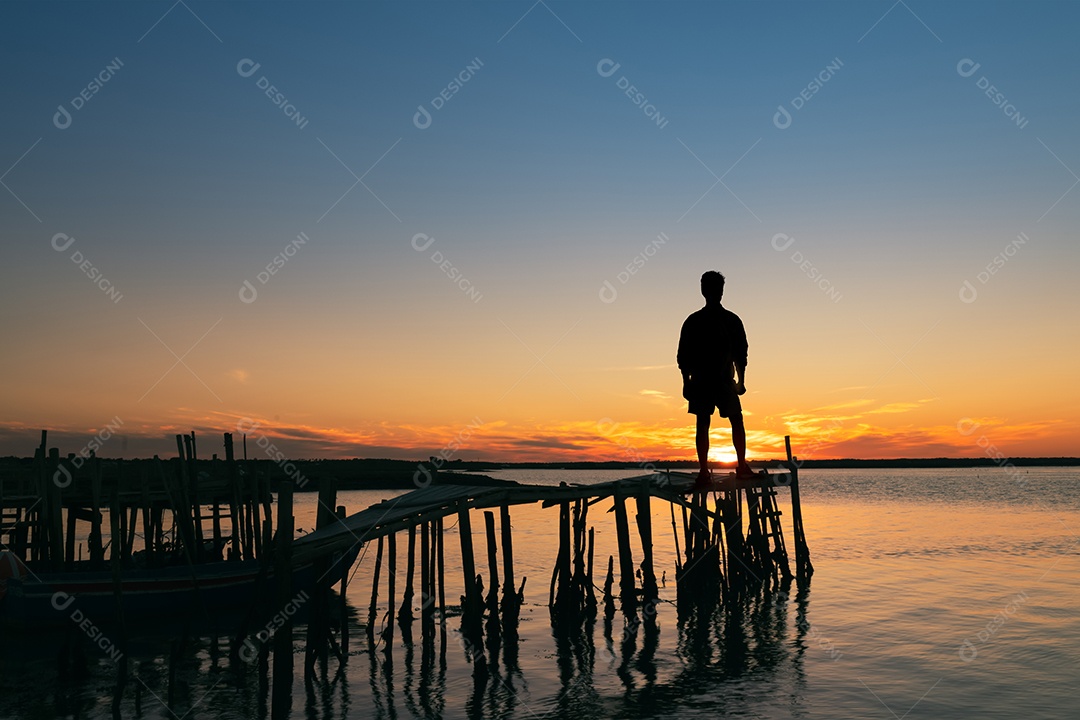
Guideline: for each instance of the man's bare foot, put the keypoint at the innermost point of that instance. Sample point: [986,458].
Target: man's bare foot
[704,479]
[744,470]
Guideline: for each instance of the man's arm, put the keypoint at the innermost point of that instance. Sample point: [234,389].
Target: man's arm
[683,357]
[741,349]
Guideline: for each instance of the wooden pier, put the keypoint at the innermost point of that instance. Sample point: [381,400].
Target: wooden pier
[198,520]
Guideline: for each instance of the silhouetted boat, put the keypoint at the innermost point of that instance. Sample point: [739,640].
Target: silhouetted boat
[33,600]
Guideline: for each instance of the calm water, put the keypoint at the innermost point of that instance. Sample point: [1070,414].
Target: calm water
[937,594]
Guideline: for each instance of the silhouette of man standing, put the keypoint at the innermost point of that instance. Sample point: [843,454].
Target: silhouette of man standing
[712,359]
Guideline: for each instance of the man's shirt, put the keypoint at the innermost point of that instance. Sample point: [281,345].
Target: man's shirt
[712,342]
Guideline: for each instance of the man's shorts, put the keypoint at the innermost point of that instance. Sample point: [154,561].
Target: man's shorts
[706,395]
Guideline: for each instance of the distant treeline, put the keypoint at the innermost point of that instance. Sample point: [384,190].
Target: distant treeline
[480,466]
[383,473]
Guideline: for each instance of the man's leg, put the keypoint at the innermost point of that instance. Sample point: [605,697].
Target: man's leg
[738,437]
[703,441]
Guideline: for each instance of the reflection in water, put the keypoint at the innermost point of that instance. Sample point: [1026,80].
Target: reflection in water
[768,658]
[575,656]
[717,645]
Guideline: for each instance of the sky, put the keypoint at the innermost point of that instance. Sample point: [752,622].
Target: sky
[398,229]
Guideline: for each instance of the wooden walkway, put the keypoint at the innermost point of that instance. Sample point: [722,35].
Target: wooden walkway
[731,544]
[433,502]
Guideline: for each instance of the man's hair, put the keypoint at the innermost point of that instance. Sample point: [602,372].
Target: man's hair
[712,285]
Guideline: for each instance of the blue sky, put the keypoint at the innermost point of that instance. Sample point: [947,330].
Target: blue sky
[539,180]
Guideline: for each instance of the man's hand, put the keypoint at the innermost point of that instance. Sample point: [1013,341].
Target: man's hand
[740,388]
[686,388]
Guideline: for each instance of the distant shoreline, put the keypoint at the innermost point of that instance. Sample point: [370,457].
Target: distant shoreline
[387,464]
[376,473]
[833,463]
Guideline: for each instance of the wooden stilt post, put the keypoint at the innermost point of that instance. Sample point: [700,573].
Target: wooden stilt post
[391,596]
[56,512]
[492,601]
[733,538]
[803,567]
[441,570]
[627,586]
[470,618]
[675,535]
[559,599]
[510,601]
[147,516]
[343,599]
[283,642]
[193,478]
[372,615]
[94,542]
[609,599]
[644,523]
[432,561]
[427,596]
[405,615]
[69,549]
[591,596]
[254,485]
[318,629]
[236,551]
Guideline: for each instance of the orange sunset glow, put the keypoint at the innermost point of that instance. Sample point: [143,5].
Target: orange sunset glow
[387,271]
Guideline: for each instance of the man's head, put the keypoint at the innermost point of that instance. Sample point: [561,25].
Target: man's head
[712,286]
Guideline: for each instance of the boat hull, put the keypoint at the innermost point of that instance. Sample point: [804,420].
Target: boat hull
[175,593]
